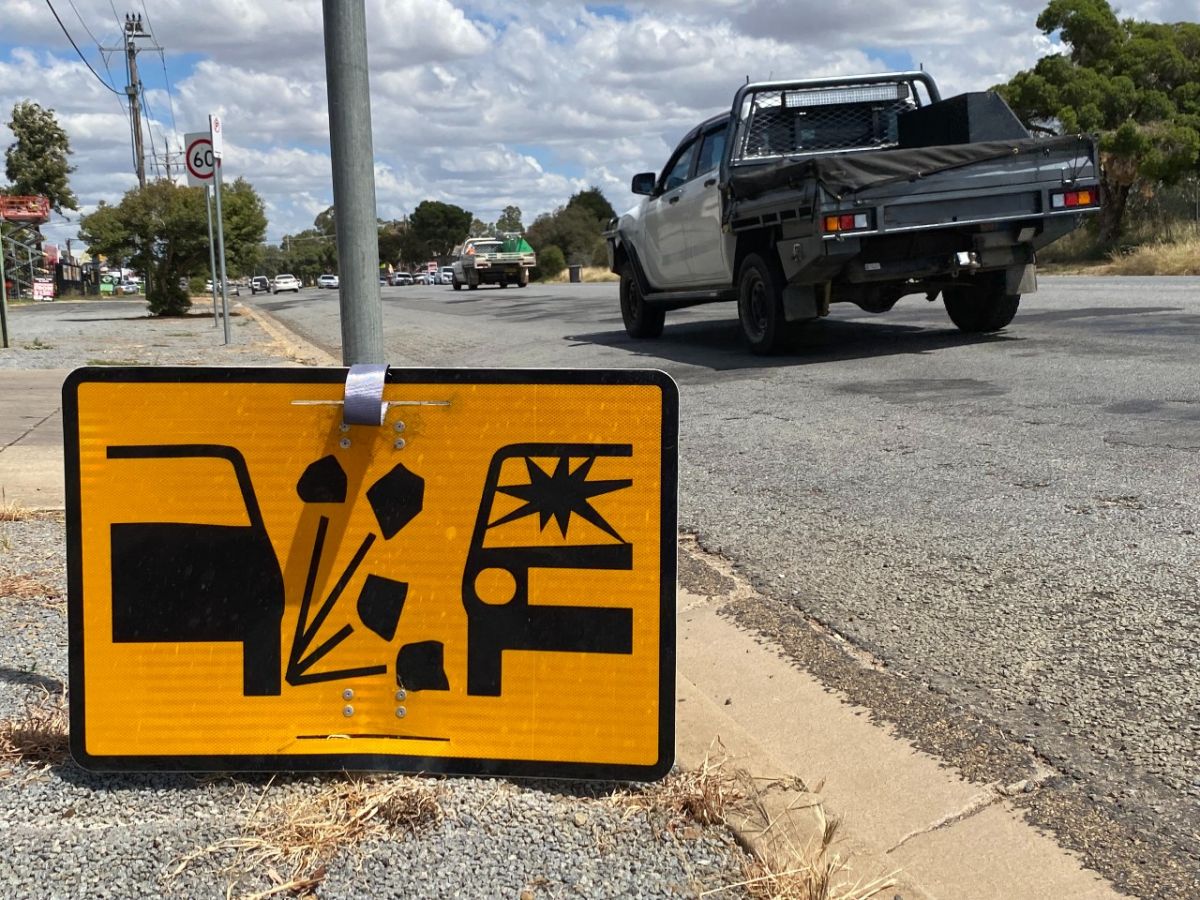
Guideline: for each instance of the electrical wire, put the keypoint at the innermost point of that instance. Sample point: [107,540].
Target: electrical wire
[170,94]
[77,50]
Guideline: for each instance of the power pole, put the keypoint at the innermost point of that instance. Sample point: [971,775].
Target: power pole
[133,30]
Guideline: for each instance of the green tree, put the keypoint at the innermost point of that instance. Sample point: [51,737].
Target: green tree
[510,220]
[309,254]
[437,227]
[550,262]
[594,201]
[36,162]
[326,222]
[480,228]
[161,231]
[1134,84]
[573,229]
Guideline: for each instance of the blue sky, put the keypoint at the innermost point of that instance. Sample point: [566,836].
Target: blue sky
[483,105]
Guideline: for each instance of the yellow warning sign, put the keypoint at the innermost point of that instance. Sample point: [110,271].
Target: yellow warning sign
[482,583]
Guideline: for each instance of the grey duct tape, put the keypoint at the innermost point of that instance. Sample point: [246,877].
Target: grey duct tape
[364,395]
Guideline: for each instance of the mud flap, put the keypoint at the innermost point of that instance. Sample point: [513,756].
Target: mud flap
[1020,279]
[800,303]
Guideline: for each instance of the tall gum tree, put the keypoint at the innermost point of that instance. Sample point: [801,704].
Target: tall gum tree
[1136,85]
[36,162]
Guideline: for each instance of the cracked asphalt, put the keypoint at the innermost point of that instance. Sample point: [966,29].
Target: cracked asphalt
[1006,524]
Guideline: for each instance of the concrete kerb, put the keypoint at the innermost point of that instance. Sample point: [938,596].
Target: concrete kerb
[294,347]
[905,815]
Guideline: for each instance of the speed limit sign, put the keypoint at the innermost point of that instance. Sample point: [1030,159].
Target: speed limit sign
[198,156]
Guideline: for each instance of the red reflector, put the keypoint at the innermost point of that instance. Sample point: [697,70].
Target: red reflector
[846,223]
[1072,198]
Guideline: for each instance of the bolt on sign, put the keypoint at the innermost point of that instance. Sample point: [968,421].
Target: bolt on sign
[484,583]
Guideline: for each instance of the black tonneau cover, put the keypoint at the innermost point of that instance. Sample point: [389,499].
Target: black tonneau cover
[845,173]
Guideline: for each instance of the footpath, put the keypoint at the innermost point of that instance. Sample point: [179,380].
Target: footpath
[805,756]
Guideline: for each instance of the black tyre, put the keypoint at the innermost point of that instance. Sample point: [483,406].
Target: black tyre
[760,305]
[641,319]
[455,283]
[977,309]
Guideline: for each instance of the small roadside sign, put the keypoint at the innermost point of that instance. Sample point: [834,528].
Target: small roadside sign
[215,130]
[485,583]
[198,158]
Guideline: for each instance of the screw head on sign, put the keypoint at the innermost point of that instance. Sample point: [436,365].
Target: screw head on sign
[347,710]
[344,443]
[401,694]
[348,694]
[401,712]
[399,426]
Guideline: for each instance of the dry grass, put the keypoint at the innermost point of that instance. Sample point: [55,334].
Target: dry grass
[26,587]
[1180,257]
[12,511]
[704,796]
[589,274]
[779,867]
[39,734]
[292,841]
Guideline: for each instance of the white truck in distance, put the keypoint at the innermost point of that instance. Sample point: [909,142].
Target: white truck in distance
[501,260]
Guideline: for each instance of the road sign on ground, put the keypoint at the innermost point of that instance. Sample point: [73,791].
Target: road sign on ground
[198,158]
[483,584]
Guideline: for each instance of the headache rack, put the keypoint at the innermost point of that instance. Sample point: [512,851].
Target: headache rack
[824,115]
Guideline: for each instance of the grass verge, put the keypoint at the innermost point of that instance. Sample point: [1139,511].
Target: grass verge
[589,274]
[292,840]
[38,735]
[796,859]
[12,511]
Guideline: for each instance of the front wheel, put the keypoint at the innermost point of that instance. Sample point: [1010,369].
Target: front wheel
[641,319]
[455,283]
[760,305]
[978,309]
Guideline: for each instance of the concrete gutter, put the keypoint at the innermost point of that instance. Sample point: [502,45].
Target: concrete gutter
[904,813]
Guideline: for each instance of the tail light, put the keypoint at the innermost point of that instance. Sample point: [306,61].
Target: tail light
[1068,199]
[845,222]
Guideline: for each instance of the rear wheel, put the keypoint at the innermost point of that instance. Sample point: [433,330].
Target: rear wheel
[524,282]
[641,319]
[760,305]
[977,309]
[455,283]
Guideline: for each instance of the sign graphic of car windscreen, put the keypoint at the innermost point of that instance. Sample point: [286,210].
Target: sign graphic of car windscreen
[483,584]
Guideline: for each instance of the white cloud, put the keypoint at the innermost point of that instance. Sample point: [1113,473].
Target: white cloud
[481,104]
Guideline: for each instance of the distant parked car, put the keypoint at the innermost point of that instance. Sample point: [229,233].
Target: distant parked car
[447,274]
[128,287]
[399,278]
[234,290]
[285,283]
[260,283]
[328,281]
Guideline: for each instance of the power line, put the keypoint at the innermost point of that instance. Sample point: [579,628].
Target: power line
[83,23]
[77,50]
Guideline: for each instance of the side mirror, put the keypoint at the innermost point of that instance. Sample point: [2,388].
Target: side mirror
[643,183]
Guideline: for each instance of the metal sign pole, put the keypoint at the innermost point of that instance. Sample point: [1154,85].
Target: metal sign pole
[212,253]
[221,248]
[3,298]
[353,180]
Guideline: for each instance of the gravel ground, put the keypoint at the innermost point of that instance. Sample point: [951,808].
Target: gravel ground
[65,832]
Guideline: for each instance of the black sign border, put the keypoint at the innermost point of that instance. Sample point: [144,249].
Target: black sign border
[398,763]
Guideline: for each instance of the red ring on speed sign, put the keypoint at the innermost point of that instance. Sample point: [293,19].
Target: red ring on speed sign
[202,147]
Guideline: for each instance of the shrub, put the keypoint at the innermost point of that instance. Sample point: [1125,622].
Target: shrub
[550,262]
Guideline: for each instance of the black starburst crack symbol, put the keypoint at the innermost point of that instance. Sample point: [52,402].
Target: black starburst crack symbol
[560,494]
